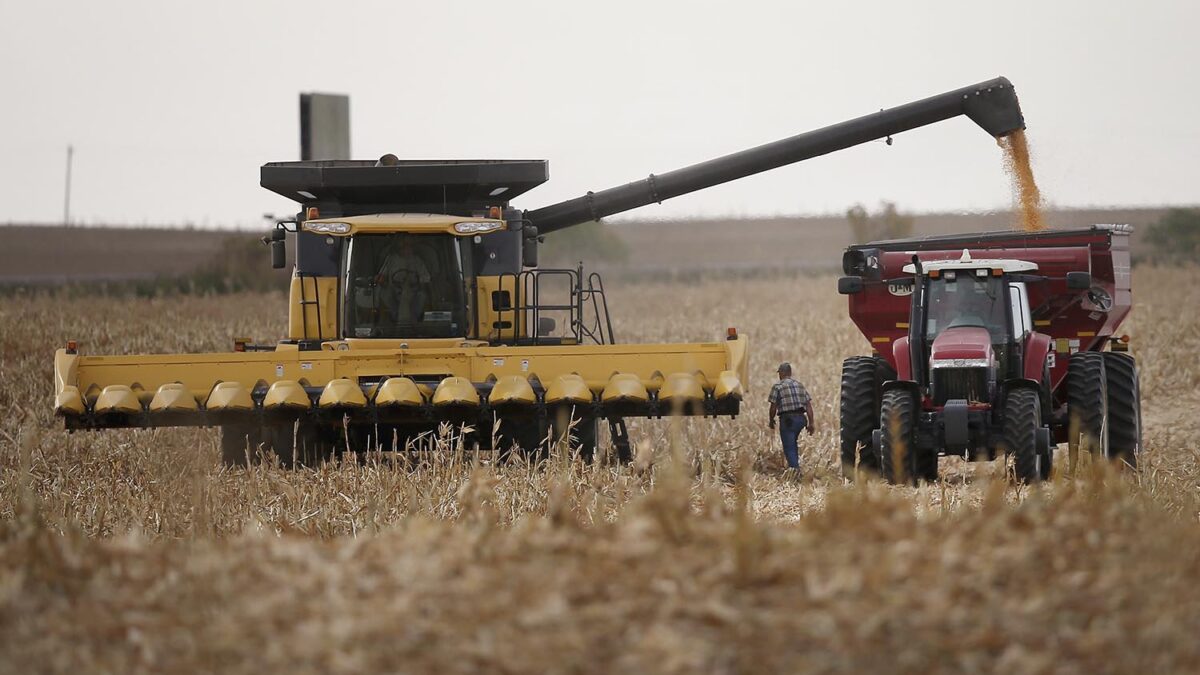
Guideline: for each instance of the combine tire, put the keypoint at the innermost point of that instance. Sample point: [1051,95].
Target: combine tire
[859,413]
[241,442]
[524,434]
[1087,405]
[898,452]
[1124,408]
[1022,422]
[298,444]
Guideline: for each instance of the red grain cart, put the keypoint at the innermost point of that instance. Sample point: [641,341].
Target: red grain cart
[990,344]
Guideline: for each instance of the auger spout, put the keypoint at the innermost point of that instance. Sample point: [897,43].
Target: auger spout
[992,105]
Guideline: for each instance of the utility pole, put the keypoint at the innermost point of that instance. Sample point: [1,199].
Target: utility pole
[67,191]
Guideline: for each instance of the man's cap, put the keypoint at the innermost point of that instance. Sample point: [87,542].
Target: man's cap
[784,367]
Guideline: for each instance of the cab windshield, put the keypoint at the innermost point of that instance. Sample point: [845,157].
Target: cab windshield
[960,298]
[404,286]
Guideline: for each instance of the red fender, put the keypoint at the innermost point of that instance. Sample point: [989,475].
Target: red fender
[1037,347]
[903,362]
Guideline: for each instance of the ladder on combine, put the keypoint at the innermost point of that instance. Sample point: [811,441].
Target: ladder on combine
[585,308]
[305,302]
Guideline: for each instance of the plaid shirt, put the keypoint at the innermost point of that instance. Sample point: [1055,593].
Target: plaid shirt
[789,396]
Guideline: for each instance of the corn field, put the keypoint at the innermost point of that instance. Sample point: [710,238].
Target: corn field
[135,551]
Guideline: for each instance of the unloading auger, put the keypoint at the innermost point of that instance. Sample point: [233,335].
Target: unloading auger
[416,299]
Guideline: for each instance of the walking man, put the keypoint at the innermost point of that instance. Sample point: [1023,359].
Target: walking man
[791,402]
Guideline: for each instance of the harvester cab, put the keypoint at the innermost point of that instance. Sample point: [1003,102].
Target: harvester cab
[416,300]
[403,251]
[989,345]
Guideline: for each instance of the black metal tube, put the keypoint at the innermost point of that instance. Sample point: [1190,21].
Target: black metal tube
[992,105]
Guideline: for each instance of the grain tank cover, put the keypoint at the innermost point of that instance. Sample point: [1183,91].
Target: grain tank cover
[441,186]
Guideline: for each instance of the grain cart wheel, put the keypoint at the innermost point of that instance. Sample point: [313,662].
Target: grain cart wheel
[859,413]
[1022,428]
[241,442]
[1087,405]
[1124,407]
[898,438]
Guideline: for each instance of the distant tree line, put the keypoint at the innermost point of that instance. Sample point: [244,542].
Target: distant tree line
[1174,238]
[887,223]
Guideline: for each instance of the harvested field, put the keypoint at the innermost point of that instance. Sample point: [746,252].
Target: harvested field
[133,551]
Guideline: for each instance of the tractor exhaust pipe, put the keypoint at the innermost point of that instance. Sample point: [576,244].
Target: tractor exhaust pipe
[992,105]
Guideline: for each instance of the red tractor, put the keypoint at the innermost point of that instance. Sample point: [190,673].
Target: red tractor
[988,345]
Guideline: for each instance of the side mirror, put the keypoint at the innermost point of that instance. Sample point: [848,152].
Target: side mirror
[529,246]
[1079,281]
[546,326]
[278,254]
[850,285]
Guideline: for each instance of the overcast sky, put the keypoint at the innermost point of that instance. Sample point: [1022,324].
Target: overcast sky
[172,106]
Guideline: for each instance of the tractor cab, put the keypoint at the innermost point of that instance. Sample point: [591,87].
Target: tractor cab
[970,320]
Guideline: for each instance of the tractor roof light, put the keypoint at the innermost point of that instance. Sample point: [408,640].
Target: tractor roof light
[478,226]
[731,333]
[328,228]
[72,346]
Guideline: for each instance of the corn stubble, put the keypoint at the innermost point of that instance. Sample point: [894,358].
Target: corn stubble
[133,551]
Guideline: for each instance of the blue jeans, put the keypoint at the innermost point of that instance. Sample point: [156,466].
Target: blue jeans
[790,427]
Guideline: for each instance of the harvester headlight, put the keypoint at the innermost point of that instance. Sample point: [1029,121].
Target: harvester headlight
[328,228]
[478,226]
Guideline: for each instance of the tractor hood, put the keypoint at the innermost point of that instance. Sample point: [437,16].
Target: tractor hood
[962,347]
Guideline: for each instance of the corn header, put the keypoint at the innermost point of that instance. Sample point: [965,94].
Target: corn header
[416,299]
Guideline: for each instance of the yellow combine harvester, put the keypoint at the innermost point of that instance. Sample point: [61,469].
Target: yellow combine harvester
[416,299]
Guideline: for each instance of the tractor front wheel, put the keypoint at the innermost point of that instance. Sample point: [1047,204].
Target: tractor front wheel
[1022,427]
[898,452]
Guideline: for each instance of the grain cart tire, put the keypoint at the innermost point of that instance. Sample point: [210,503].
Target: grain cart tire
[859,413]
[1087,404]
[1124,407]
[897,446]
[241,442]
[1022,422]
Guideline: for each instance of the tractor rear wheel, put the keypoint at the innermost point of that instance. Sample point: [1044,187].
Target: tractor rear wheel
[898,448]
[1087,405]
[240,444]
[1124,407]
[1022,422]
[859,412]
